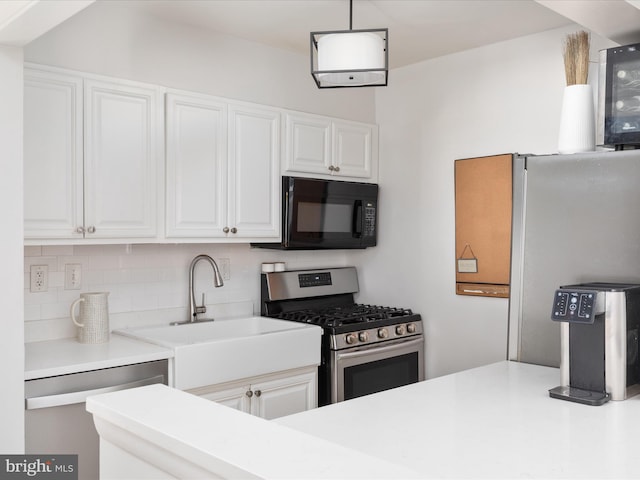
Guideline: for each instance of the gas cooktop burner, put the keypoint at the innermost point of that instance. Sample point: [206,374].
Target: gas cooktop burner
[358,315]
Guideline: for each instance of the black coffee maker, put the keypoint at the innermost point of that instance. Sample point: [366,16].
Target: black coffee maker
[599,342]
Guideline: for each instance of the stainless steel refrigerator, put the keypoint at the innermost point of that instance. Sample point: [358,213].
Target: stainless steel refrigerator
[576,219]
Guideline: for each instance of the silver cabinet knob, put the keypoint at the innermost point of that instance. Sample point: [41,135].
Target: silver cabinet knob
[258,393]
[80,230]
[225,229]
[249,393]
[91,229]
[331,168]
[336,169]
[234,230]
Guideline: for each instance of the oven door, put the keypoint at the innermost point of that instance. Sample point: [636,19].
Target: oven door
[364,370]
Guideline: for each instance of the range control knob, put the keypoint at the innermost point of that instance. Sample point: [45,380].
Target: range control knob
[350,338]
[400,330]
[411,328]
[363,336]
[383,333]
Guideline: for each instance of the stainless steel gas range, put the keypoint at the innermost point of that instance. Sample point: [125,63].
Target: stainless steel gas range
[365,348]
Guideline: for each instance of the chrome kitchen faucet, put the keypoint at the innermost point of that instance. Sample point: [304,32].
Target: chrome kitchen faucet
[195,310]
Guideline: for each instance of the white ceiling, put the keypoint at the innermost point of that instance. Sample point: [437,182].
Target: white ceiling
[418,29]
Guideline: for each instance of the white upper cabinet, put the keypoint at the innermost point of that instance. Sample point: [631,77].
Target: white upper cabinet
[326,147]
[308,144]
[196,201]
[254,172]
[353,148]
[121,159]
[53,170]
[92,152]
[97,168]
[223,163]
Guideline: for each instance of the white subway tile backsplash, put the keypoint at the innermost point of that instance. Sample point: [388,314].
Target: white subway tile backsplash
[92,277]
[173,300]
[32,312]
[56,279]
[63,260]
[57,250]
[51,262]
[40,298]
[149,283]
[57,310]
[32,251]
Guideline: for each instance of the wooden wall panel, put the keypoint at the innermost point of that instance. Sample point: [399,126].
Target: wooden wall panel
[483,191]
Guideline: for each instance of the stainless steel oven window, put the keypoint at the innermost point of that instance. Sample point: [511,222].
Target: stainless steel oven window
[371,359]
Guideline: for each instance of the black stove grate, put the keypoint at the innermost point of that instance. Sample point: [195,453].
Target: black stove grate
[342,316]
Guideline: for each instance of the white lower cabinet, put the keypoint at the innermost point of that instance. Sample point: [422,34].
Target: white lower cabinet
[267,396]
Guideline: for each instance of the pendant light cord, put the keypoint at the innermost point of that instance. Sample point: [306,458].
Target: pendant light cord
[350,14]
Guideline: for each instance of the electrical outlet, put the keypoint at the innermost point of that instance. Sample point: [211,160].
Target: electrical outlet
[72,276]
[224,264]
[39,278]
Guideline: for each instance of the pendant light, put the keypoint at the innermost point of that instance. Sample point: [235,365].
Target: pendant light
[350,58]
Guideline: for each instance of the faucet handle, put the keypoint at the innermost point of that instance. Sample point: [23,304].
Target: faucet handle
[202,308]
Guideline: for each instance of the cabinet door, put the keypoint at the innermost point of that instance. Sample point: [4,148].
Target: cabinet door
[122,131]
[52,155]
[308,144]
[234,397]
[196,166]
[353,145]
[284,396]
[254,175]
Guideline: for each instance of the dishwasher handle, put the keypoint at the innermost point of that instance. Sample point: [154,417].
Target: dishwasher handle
[72,398]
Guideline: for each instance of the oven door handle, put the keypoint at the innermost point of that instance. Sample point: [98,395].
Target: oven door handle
[72,398]
[380,350]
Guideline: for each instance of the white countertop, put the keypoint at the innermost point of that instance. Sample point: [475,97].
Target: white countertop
[168,433]
[496,421]
[60,357]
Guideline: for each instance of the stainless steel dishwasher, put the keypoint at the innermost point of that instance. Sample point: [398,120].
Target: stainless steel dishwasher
[56,421]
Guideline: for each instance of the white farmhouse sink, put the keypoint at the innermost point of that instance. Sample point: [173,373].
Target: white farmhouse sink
[210,353]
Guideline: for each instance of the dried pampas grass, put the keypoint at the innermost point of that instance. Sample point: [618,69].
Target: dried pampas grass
[576,58]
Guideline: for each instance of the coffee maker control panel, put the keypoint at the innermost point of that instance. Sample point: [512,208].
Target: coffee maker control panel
[576,306]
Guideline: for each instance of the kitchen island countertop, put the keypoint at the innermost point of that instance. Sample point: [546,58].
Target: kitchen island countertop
[496,421]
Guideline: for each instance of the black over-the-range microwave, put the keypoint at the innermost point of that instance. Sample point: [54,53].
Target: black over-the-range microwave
[324,214]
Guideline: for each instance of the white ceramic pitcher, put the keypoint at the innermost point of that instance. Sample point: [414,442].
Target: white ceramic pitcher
[93,322]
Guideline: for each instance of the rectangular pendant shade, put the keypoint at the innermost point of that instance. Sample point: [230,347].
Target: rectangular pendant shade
[349,58]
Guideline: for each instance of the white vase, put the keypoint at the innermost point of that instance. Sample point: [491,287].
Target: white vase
[577,120]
